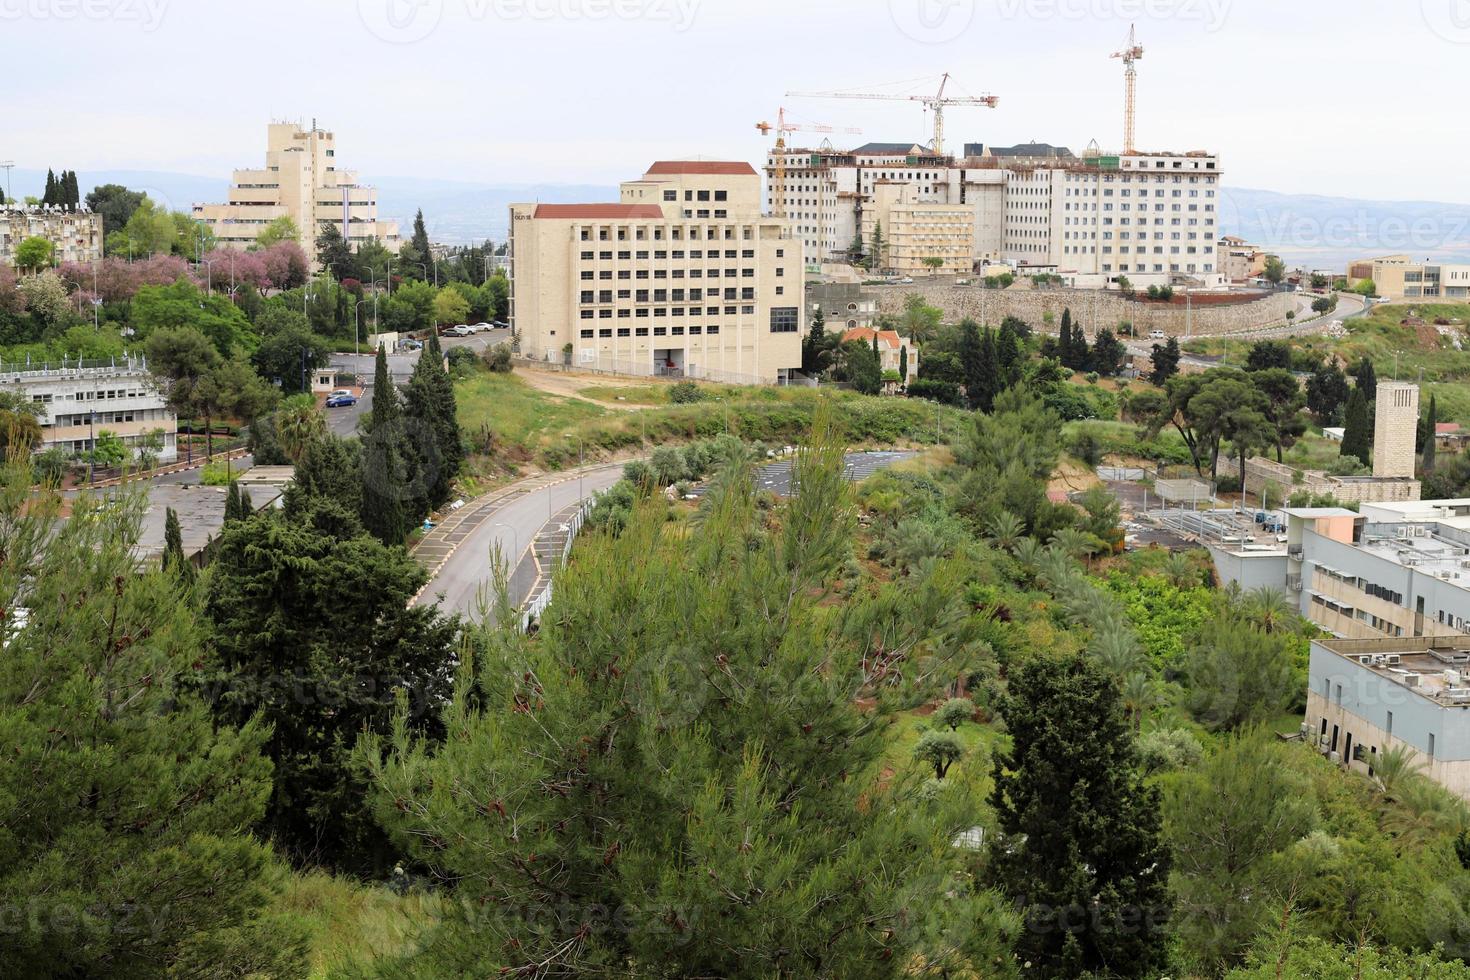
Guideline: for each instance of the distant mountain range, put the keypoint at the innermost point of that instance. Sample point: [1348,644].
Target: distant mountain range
[1307,230]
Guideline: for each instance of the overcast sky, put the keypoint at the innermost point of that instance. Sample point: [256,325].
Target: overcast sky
[1343,97]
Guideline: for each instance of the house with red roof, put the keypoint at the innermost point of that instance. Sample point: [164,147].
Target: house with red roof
[893,350]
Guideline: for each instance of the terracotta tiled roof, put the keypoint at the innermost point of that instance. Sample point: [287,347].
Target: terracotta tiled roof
[724,168]
[1446,428]
[598,211]
[889,338]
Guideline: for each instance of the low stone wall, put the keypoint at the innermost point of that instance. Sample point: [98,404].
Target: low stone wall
[1348,490]
[1091,307]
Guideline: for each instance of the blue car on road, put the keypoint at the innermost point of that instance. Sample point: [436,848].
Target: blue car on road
[341,399]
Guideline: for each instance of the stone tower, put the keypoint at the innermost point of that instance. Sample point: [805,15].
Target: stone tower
[1395,427]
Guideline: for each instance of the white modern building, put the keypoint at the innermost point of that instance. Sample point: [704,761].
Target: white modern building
[1150,217]
[300,181]
[81,400]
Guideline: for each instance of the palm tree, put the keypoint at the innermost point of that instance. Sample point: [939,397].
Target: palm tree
[1006,530]
[1116,649]
[299,423]
[1054,567]
[1394,766]
[1028,553]
[1180,570]
[1269,609]
[1139,695]
[1076,543]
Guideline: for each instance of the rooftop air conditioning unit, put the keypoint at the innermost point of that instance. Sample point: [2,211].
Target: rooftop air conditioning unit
[1366,659]
[1306,730]
[1458,693]
[1335,757]
[1393,659]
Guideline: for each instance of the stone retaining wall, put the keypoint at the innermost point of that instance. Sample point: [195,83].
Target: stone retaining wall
[1093,308]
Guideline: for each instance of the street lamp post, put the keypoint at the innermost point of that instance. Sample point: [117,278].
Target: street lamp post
[208,277]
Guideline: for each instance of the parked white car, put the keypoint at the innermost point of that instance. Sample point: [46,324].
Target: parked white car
[460,330]
[1157,335]
[481,327]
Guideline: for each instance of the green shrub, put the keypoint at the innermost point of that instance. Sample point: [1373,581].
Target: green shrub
[218,474]
[686,393]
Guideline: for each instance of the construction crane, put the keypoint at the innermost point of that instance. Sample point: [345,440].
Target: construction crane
[778,169]
[936,102]
[1130,55]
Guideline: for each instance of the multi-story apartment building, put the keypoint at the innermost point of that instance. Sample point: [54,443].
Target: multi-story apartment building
[913,232]
[78,401]
[1400,277]
[300,181]
[1239,261]
[1152,217]
[1369,695]
[684,277]
[844,305]
[76,236]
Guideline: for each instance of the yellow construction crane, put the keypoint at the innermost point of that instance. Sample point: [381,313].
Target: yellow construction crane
[936,102]
[778,167]
[1130,55]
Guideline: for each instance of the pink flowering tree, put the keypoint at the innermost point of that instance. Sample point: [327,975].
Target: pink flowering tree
[285,265]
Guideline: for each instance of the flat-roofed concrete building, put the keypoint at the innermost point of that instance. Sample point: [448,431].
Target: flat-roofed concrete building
[914,232]
[80,400]
[1400,277]
[75,236]
[1366,696]
[683,277]
[1152,217]
[300,181]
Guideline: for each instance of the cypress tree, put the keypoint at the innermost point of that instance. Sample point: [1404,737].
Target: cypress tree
[1428,464]
[1064,340]
[903,364]
[384,479]
[989,373]
[1008,352]
[420,240]
[48,196]
[173,542]
[1356,438]
[1367,380]
[1080,849]
[971,361]
[430,408]
[232,503]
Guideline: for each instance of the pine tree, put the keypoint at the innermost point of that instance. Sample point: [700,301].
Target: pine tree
[431,415]
[1079,848]
[1357,436]
[875,249]
[1107,354]
[124,805]
[1166,362]
[737,836]
[1429,434]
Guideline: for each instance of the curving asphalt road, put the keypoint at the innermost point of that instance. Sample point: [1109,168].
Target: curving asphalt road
[512,526]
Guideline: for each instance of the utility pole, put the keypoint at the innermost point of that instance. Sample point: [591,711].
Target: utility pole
[9,165]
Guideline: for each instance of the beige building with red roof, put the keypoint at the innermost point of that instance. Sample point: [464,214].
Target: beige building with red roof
[891,350]
[683,277]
